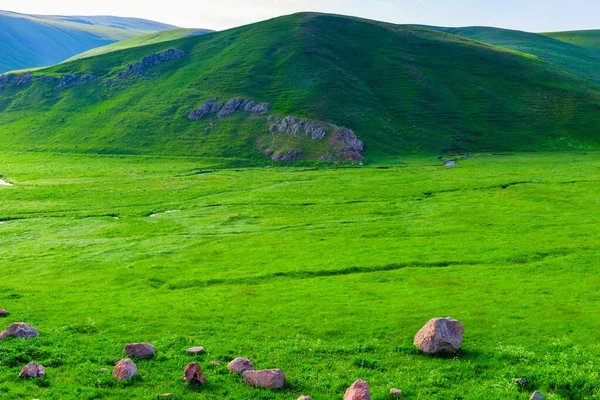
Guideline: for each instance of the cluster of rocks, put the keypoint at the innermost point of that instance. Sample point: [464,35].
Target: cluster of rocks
[70,80]
[222,110]
[21,79]
[26,78]
[295,126]
[149,61]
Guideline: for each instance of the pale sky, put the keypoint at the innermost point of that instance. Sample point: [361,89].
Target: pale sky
[528,15]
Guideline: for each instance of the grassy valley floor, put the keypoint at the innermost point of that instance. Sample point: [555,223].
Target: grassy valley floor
[324,272]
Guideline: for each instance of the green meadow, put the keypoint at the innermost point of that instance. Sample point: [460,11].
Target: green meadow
[325,272]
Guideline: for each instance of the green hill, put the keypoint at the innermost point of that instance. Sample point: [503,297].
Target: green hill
[29,41]
[400,89]
[583,61]
[587,39]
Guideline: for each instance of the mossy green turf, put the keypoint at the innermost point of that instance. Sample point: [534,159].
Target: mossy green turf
[326,273]
[402,90]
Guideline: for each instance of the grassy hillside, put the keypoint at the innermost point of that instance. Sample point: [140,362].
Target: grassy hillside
[587,39]
[143,40]
[326,274]
[401,89]
[28,41]
[583,61]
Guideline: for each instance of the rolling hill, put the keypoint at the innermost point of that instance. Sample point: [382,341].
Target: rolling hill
[400,89]
[29,41]
[575,51]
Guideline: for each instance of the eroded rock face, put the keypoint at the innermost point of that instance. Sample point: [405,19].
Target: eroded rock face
[240,365]
[212,107]
[193,374]
[32,370]
[140,350]
[125,369]
[20,330]
[150,61]
[346,145]
[70,80]
[358,391]
[266,378]
[295,126]
[440,335]
[293,155]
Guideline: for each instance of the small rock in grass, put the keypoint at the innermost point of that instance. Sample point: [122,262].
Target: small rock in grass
[215,362]
[140,350]
[32,370]
[3,313]
[358,391]
[240,365]
[304,398]
[193,374]
[266,378]
[537,396]
[449,163]
[440,335]
[395,392]
[103,369]
[195,350]
[166,396]
[19,330]
[125,369]
[521,381]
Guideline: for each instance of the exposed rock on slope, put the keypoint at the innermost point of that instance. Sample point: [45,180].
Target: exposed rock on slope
[212,107]
[150,61]
[70,80]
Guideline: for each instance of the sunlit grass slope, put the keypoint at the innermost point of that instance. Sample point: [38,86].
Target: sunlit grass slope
[589,39]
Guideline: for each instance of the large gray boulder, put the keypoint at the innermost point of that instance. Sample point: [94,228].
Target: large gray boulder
[240,365]
[266,378]
[140,350]
[439,336]
[32,370]
[125,369]
[19,330]
[358,391]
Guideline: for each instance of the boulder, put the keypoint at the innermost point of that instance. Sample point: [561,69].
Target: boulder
[195,350]
[210,107]
[32,370]
[140,350]
[358,391]
[266,378]
[240,365]
[395,392]
[440,335]
[20,330]
[193,374]
[125,369]
[3,313]
[537,396]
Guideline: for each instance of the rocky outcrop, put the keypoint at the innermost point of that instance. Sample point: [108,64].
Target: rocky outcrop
[70,80]
[358,391]
[222,110]
[292,155]
[22,79]
[266,378]
[150,61]
[32,370]
[240,365]
[295,126]
[345,145]
[125,369]
[140,350]
[193,374]
[19,330]
[440,335]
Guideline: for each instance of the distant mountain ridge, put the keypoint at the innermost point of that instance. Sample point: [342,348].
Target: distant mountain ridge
[30,41]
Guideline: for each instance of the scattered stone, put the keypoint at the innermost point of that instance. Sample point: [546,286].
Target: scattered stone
[304,398]
[395,392]
[195,350]
[293,155]
[215,362]
[537,396]
[125,369]
[166,396]
[104,369]
[3,313]
[193,374]
[150,61]
[240,365]
[140,350]
[358,391]
[20,330]
[32,370]
[440,335]
[451,163]
[521,381]
[70,80]
[266,378]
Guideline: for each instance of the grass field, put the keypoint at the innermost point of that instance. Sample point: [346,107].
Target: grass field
[326,273]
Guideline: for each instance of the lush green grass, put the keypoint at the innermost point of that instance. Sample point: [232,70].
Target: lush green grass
[325,273]
[416,91]
[28,41]
[574,51]
[588,39]
[143,40]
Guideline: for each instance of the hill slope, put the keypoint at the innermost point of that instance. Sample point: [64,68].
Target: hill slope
[587,39]
[28,41]
[583,61]
[143,40]
[415,91]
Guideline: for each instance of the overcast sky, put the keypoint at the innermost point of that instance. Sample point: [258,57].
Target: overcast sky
[528,15]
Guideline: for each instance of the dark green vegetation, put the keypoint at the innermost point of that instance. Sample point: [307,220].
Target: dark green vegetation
[143,40]
[324,273]
[28,41]
[576,52]
[416,91]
